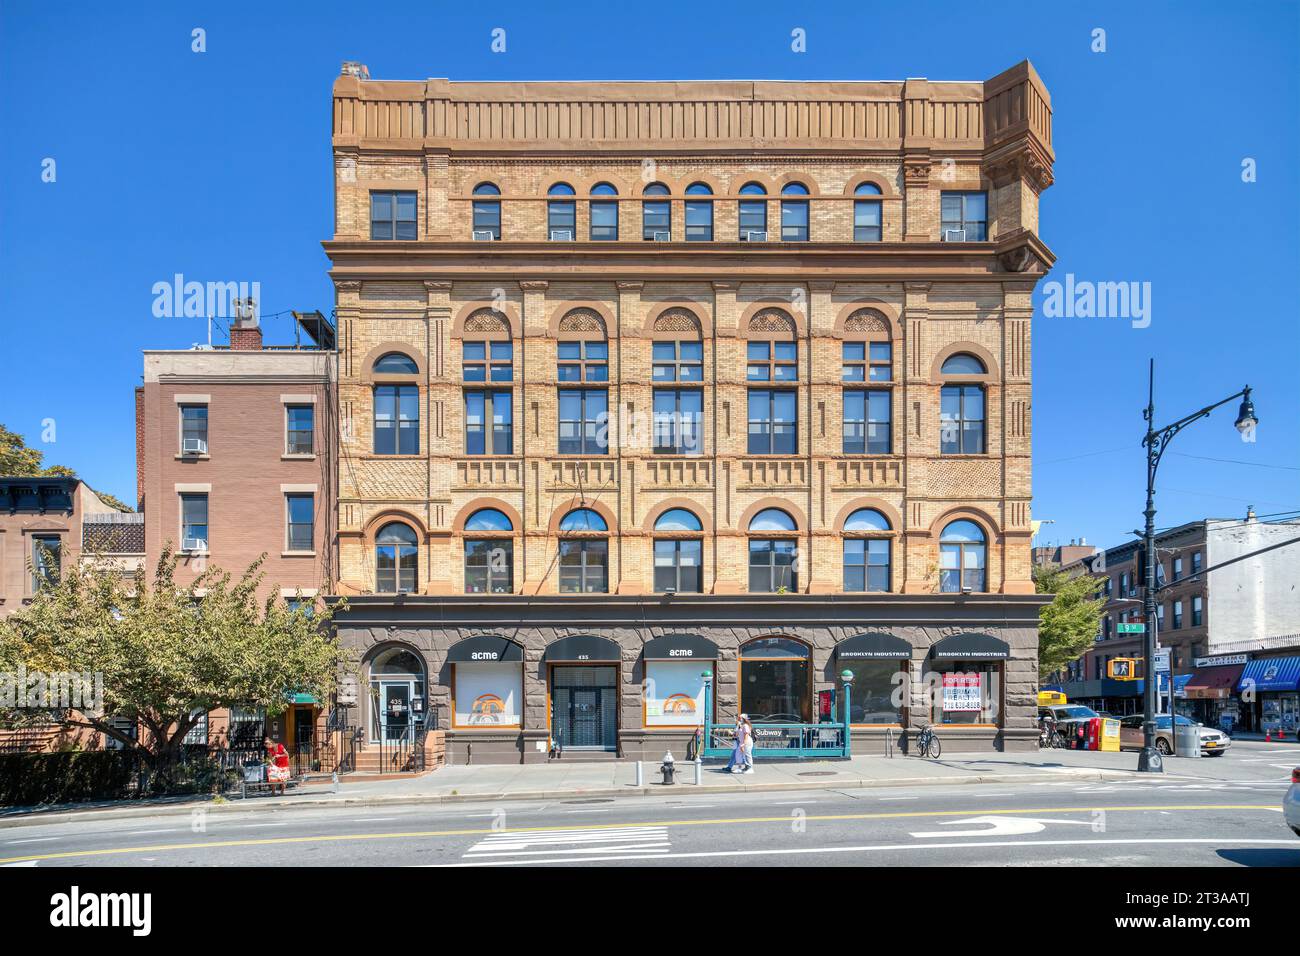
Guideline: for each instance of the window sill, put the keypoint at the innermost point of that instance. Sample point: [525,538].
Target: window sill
[297,554]
[379,457]
[191,457]
[288,456]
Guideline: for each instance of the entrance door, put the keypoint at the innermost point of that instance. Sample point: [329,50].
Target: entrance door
[395,708]
[584,707]
[776,681]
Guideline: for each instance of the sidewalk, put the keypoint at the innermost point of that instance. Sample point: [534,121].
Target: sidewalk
[567,780]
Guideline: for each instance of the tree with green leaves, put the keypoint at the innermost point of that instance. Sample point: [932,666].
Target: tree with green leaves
[18,460]
[1068,626]
[169,652]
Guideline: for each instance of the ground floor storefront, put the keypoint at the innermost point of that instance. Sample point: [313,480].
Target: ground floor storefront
[521,679]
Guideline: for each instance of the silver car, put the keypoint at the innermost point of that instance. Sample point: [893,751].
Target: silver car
[1291,803]
[1213,742]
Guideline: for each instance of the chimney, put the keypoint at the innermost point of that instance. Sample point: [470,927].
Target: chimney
[1250,512]
[139,448]
[245,333]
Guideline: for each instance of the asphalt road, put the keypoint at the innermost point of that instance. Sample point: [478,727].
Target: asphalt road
[1142,823]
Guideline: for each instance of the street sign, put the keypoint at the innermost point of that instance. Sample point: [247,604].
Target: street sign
[1126,628]
[1161,660]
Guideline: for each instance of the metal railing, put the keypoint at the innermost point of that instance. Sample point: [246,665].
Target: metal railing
[401,750]
[783,740]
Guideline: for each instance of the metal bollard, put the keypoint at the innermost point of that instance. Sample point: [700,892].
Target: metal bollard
[640,781]
[699,772]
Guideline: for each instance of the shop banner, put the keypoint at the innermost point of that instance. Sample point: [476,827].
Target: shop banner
[674,693]
[488,695]
[961,692]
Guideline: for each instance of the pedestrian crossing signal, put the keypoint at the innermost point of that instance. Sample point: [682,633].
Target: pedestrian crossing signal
[1122,668]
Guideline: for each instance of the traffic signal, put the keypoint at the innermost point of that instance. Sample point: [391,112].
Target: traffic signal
[1122,668]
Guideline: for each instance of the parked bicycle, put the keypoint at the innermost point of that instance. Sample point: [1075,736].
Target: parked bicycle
[927,743]
[1049,737]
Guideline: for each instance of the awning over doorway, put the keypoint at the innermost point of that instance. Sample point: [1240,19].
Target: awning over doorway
[873,646]
[679,647]
[972,647]
[485,648]
[303,699]
[1272,674]
[582,649]
[1213,683]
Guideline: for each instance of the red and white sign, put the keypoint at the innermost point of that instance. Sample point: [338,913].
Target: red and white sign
[961,692]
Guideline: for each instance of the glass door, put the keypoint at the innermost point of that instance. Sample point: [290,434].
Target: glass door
[391,717]
[584,707]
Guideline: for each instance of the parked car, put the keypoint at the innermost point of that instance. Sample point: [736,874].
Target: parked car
[1291,803]
[1067,717]
[1213,742]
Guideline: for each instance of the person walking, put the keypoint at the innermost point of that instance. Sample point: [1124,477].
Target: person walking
[737,762]
[747,744]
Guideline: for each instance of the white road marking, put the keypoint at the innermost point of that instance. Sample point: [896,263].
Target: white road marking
[886,799]
[997,826]
[33,840]
[371,819]
[714,854]
[576,845]
[24,863]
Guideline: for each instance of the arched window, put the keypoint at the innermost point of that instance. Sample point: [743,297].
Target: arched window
[396,683]
[489,553]
[699,214]
[583,360]
[963,551]
[583,519]
[866,214]
[678,559]
[395,363]
[794,213]
[487,213]
[961,407]
[867,551]
[584,558]
[772,566]
[397,408]
[561,214]
[753,213]
[396,559]
[656,215]
[604,214]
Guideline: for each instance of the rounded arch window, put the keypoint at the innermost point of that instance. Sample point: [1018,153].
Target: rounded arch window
[794,213]
[867,552]
[486,213]
[489,519]
[397,662]
[699,213]
[699,189]
[656,189]
[962,363]
[867,214]
[396,363]
[396,559]
[753,189]
[583,520]
[561,213]
[794,189]
[772,519]
[604,189]
[560,189]
[963,553]
[678,519]
[866,189]
[486,189]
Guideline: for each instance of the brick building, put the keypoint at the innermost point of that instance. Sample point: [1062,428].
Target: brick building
[635,376]
[1230,625]
[234,461]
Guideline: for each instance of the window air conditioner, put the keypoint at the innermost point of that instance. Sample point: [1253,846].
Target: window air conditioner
[756,235]
[483,235]
[195,544]
[954,235]
[194,446]
[662,235]
[561,235]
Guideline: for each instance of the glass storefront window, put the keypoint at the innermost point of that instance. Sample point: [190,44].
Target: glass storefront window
[674,693]
[965,692]
[776,681]
[487,695]
[878,694]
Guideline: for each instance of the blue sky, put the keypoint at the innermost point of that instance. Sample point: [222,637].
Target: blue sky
[217,166]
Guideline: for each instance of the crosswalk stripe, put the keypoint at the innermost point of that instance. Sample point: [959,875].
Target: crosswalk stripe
[649,849]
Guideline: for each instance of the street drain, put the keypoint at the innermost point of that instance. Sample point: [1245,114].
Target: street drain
[819,773]
[593,800]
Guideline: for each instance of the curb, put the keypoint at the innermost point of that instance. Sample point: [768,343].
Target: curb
[42,818]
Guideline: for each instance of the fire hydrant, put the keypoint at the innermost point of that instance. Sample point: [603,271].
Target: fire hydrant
[668,768]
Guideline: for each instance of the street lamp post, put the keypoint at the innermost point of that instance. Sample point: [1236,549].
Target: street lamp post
[1155,442]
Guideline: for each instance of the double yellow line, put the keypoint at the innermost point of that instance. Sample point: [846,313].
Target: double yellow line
[593,828]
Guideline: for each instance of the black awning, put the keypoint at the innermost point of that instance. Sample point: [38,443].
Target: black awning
[583,648]
[869,646]
[971,647]
[680,647]
[485,648]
